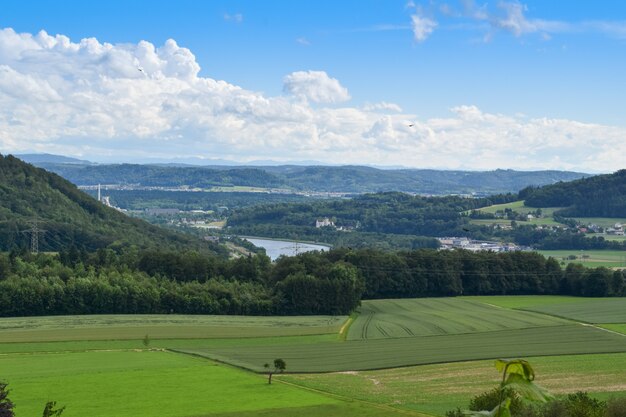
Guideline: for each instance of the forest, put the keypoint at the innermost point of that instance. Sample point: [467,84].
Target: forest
[597,196]
[160,281]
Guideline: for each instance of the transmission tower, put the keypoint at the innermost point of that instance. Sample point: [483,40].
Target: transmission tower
[34,236]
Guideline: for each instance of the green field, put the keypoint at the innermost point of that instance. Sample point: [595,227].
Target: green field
[590,258]
[136,384]
[127,327]
[519,207]
[600,221]
[591,310]
[438,388]
[98,365]
[524,301]
[380,319]
[405,351]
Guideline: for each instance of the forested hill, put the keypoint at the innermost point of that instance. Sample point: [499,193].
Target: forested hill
[348,179]
[598,196]
[68,216]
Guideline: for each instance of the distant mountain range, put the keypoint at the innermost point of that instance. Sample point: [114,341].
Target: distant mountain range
[302,178]
[47,158]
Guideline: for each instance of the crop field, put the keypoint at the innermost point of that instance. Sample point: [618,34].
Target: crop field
[525,301]
[442,387]
[99,365]
[151,383]
[125,327]
[405,351]
[590,258]
[594,310]
[380,319]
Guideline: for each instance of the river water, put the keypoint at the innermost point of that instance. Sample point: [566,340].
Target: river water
[276,248]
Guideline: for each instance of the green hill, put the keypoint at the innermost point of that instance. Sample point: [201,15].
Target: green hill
[598,196]
[69,216]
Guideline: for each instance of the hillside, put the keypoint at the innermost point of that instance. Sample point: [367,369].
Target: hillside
[69,216]
[347,179]
[598,196]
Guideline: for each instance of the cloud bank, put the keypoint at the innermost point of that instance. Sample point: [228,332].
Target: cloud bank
[93,99]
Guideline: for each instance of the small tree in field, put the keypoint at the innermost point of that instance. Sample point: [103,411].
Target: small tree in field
[6,406]
[279,366]
[146,341]
[50,411]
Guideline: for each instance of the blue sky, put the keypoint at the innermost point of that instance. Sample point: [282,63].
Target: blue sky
[515,63]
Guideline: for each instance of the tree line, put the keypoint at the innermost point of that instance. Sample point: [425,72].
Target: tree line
[334,282]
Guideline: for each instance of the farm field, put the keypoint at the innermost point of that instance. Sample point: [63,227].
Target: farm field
[600,221]
[405,351]
[519,207]
[524,301]
[590,258]
[597,311]
[136,384]
[438,388]
[439,334]
[126,327]
[379,319]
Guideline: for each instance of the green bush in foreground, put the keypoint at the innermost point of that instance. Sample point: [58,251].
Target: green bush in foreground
[512,399]
[6,406]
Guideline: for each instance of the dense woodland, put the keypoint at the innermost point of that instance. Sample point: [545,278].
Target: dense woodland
[71,217]
[156,281]
[598,196]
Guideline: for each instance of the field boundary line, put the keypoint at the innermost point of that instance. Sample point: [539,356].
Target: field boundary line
[343,332]
[350,399]
[602,328]
[318,391]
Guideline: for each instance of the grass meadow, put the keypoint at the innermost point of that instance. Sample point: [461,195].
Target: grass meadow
[151,383]
[125,327]
[441,387]
[589,258]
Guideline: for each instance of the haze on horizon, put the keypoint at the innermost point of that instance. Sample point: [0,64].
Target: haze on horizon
[426,84]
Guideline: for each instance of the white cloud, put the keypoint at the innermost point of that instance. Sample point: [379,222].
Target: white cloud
[303,41]
[315,86]
[422,27]
[90,99]
[236,17]
[382,106]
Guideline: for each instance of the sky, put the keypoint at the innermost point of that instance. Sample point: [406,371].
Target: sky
[455,84]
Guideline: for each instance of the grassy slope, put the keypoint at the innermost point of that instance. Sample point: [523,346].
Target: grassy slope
[436,316]
[438,388]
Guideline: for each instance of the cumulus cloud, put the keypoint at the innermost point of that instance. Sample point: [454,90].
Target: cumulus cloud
[421,25]
[95,99]
[315,86]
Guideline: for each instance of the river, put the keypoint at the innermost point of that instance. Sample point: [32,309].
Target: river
[276,248]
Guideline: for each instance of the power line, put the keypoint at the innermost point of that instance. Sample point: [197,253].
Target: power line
[34,235]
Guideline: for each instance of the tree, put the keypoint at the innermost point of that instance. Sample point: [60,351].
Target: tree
[6,406]
[146,341]
[279,366]
[50,409]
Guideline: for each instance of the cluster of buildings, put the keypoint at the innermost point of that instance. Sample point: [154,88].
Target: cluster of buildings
[448,243]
